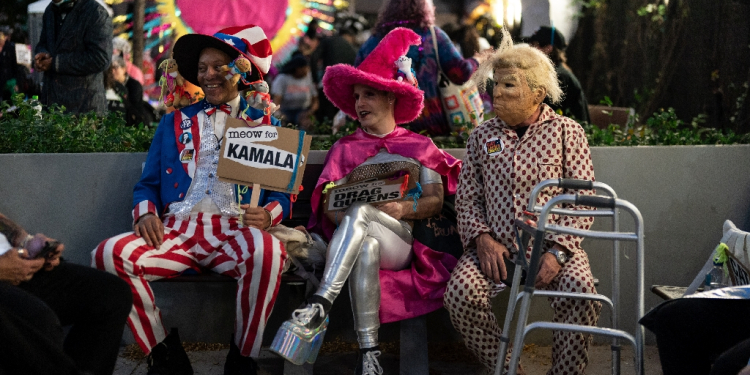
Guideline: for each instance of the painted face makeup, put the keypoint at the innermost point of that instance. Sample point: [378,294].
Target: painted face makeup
[513,100]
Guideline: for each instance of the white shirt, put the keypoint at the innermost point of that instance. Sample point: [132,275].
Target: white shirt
[219,120]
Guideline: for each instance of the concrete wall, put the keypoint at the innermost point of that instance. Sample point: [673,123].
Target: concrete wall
[684,193]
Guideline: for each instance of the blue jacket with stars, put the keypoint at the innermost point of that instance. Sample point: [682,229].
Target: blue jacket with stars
[164,180]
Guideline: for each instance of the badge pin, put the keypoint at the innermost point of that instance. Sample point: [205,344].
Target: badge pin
[186,124]
[494,146]
[186,155]
[186,138]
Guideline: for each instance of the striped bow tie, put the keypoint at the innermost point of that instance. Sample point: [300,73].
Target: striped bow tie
[211,109]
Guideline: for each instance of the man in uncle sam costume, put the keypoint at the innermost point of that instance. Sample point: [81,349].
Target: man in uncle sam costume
[185,218]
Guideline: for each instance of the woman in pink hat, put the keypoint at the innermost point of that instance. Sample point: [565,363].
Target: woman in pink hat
[394,276]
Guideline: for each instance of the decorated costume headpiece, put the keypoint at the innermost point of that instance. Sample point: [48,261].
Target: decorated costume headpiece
[247,41]
[379,71]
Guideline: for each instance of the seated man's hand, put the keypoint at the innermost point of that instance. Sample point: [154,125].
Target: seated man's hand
[393,209]
[256,217]
[151,228]
[52,259]
[491,254]
[15,269]
[548,269]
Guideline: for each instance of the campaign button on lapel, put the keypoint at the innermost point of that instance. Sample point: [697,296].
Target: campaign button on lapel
[186,124]
[186,155]
[186,138]
[494,146]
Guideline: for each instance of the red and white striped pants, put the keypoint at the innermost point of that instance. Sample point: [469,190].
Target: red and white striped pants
[251,256]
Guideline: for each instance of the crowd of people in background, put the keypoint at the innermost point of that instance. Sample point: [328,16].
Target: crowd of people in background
[293,89]
[90,75]
[530,89]
[8,64]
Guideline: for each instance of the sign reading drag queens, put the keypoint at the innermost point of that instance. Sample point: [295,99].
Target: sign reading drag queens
[370,191]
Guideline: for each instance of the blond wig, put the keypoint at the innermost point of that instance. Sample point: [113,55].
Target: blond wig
[535,65]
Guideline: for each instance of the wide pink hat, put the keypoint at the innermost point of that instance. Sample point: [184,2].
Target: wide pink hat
[378,70]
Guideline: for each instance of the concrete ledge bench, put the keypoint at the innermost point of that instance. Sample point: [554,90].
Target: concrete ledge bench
[82,199]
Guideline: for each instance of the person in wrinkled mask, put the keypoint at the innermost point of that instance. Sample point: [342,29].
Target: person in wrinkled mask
[505,158]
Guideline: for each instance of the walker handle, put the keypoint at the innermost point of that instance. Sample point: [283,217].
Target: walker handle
[575,184]
[597,201]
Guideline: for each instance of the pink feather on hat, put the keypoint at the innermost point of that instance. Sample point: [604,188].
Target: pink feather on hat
[377,70]
[394,45]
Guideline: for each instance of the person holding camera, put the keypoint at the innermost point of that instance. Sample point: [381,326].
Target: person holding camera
[40,294]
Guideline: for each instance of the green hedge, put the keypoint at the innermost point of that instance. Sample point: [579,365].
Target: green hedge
[23,130]
[663,129]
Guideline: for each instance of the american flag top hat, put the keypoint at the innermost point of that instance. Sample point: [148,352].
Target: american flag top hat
[249,41]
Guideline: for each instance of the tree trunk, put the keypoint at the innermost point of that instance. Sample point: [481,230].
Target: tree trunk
[139,13]
[694,57]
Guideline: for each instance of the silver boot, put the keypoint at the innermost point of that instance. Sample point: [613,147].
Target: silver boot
[299,339]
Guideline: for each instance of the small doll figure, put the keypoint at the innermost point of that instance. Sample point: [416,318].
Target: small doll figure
[259,98]
[172,84]
[239,68]
[406,72]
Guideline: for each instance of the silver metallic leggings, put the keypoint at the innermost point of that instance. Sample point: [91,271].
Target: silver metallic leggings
[361,245]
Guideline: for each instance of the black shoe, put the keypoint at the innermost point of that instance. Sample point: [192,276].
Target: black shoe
[236,364]
[367,362]
[169,357]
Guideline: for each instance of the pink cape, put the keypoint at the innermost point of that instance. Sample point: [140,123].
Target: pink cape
[418,290]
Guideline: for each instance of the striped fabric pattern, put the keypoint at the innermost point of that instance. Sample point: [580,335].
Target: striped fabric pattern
[251,256]
[252,41]
[143,208]
[274,208]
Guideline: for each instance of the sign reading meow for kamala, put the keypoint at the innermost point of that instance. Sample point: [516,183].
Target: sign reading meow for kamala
[267,155]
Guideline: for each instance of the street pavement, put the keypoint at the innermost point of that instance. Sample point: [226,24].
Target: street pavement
[445,359]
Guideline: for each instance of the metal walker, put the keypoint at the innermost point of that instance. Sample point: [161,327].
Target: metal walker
[605,206]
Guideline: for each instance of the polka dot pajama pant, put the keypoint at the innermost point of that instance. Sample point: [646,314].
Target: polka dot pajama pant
[467,299]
